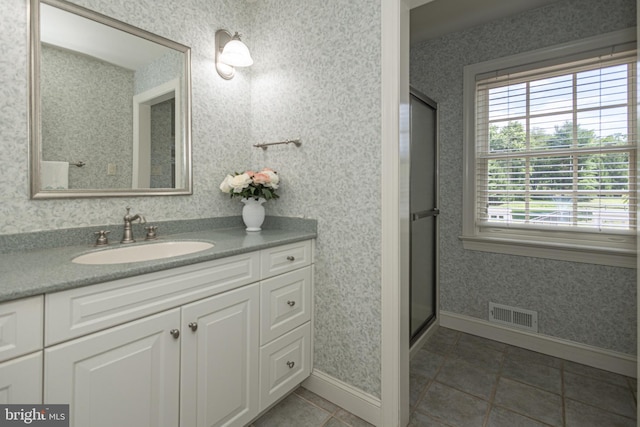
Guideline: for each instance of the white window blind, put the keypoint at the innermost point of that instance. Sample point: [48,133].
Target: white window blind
[555,147]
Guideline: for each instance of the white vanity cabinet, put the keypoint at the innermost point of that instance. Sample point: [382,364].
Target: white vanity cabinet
[220,359]
[285,333]
[21,351]
[211,344]
[127,375]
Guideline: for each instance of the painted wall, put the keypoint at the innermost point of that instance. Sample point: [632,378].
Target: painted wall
[589,304]
[301,86]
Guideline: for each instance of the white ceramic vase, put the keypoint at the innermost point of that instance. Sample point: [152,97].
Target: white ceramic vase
[253,213]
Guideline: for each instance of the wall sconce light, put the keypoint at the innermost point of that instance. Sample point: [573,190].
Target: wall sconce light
[230,53]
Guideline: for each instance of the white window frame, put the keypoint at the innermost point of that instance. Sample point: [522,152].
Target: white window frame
[595,248]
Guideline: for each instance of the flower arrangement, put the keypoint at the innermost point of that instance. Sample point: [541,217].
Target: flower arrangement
[249,184]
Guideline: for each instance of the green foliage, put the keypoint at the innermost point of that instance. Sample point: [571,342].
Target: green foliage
[256,191]
[512,137]
[608,171]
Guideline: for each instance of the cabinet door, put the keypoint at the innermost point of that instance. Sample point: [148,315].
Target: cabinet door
[126,376]
[21,380]
[20,327]
[219,383]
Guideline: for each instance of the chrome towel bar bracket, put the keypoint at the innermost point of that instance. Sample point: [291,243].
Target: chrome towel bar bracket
[266,145]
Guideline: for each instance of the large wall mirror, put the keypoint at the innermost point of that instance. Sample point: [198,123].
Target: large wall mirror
[110,107]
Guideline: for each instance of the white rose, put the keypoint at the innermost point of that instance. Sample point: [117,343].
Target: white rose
[224,186]
[240,182]
[274,179]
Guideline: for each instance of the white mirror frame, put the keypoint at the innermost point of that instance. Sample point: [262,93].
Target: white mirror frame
[183,169]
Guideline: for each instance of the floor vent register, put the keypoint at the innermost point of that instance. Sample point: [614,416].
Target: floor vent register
[513,316]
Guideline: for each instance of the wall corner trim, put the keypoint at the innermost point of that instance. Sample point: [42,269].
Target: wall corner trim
[346,396]
[608,360]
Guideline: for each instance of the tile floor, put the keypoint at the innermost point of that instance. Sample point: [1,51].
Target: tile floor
[460,380]
[303,408]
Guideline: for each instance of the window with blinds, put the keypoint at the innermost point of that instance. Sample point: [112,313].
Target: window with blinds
[550,152]
[555,147]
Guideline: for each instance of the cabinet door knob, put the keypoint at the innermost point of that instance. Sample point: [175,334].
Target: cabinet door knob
[291,303]
[175,333]
[291,364]
[291,258]
[193,326]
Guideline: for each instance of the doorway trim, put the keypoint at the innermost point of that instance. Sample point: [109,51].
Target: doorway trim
[395,214]
[142,103]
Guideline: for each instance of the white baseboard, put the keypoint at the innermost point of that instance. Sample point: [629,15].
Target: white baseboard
[415,348]
[346,396]
[608,360]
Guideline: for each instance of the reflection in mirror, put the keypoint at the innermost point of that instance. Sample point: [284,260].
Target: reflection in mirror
[108,97]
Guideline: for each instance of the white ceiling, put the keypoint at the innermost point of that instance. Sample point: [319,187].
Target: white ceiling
[73,32]
[439,17]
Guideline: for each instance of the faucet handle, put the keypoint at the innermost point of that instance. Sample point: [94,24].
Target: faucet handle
[151,232]
[102,239]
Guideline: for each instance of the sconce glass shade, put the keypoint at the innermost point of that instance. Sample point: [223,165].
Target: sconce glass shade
[236,54]
[230,53]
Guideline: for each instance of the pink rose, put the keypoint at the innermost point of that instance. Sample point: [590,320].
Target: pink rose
[261,178]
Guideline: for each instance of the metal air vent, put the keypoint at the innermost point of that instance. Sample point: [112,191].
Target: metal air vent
[512,316]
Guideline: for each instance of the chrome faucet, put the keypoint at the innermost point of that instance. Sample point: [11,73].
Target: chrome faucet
[127,236]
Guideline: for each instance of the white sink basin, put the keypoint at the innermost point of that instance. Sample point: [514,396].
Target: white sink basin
[138,253]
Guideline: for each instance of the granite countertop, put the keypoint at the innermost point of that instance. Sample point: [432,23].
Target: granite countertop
[38,271]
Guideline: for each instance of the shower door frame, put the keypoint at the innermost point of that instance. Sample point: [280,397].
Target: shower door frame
[416,341]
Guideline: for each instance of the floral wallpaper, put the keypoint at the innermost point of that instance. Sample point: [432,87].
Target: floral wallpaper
[162,144]
[304,87]
[219,121]
[300,86]
[584,303]
[169,66]
[82,121]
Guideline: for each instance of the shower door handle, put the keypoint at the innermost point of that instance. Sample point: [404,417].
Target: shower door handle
[425,214]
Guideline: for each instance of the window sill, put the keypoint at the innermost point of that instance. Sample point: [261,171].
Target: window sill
[583,252]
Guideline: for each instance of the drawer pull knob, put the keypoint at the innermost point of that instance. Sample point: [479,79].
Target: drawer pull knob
[291,364]
[193,326]
[175,333]
[291,258]
[291,303]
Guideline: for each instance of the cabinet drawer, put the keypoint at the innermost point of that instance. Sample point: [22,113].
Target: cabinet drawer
[80,311]
[20,327]
[285,303]
[284,258]
[284,363]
